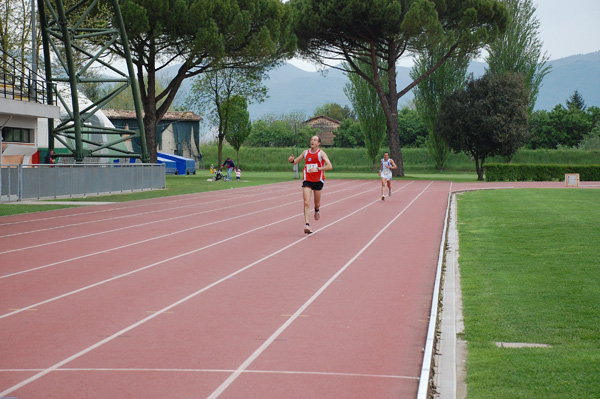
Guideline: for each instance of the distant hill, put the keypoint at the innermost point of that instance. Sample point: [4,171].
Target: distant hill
[577,72]
[293,89]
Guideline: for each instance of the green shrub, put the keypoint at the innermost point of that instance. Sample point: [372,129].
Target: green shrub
[414,159]
[530,172]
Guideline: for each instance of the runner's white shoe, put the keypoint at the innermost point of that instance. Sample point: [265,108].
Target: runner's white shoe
[317,215]
[307,229]
[382,198]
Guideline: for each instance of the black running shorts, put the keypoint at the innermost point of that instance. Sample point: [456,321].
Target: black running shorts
[313,185]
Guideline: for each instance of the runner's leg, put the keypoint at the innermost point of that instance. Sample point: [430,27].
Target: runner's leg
[306,196]
[317,199]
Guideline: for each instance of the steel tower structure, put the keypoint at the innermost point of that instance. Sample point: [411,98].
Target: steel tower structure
[63,29]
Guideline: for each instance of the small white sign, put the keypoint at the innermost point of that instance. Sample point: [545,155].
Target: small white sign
[572,179]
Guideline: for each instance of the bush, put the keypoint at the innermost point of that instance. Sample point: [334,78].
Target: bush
[530,172]
[415,159]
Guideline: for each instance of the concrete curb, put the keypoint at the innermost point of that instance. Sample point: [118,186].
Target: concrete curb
[450,360]
[43,202]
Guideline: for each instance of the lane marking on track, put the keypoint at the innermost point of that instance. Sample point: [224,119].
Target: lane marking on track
[134,215]
[432,333]
[237,372]
[6,275]
[164,260]
[283,372]
[139,204]
[244,366]
[143,224]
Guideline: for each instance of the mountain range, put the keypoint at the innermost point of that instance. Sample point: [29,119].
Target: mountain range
[293,89]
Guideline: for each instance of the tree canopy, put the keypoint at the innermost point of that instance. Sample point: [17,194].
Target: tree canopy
[371,117]
[519,48]
[370,31]
[281,131]
[238,125]
[198,36]
[430,93]
[489,117]
[335,111]
[576,102]
[212,91]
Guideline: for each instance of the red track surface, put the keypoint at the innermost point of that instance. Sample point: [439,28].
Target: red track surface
[222,295]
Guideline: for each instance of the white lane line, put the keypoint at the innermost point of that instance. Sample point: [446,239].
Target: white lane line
[141,203]
[224,371]
[173,305]
[244,366]
[136,225]
[138,242]
[132,226]
[432,335]
[35,305]
[133,215]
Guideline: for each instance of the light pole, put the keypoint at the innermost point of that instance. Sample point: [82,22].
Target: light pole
[295,167]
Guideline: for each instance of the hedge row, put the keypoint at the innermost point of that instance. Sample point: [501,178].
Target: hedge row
[343,159]
[529,172]
[415,160]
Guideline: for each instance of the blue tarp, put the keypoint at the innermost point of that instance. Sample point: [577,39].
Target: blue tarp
[185,166]
[170,165]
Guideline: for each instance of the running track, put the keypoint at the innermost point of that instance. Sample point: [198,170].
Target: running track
[221,295]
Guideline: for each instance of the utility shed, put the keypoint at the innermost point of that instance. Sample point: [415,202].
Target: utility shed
[326,127]
[178,133]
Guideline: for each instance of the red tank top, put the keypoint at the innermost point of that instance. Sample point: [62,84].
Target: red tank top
[313,161]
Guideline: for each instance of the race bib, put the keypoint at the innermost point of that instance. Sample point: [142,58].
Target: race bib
[312,168]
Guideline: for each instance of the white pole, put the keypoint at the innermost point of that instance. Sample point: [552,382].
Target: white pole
[33,50]
[1,164]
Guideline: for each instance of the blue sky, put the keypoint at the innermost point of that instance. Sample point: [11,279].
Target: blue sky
[569,27]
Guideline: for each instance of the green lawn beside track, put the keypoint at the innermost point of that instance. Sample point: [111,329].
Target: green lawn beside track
[530,273]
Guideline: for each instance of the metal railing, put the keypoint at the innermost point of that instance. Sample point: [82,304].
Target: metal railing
[18,82]
[33,181]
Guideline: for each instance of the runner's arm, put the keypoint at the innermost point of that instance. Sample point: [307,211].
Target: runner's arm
[297,160]
[327,165]
[393,164]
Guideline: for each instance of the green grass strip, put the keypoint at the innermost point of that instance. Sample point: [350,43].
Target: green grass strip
[530,273]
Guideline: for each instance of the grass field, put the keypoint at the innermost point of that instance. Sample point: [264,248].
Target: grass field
[530,273]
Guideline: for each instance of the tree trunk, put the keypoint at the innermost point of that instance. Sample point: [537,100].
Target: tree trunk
[395,150]
[391,115]
[479,168]
[150,128]
[220,151]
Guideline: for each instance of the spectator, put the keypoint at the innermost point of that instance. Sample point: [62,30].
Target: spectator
[230,166]
[49,159]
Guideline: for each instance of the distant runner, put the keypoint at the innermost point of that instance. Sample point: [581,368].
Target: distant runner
[387,164]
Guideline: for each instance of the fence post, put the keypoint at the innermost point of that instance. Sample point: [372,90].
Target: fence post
[20,182]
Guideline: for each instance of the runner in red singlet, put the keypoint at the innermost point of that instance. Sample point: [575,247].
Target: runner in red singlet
[315,162]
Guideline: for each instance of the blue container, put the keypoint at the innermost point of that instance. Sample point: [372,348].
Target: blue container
[170,166]
[185,166]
